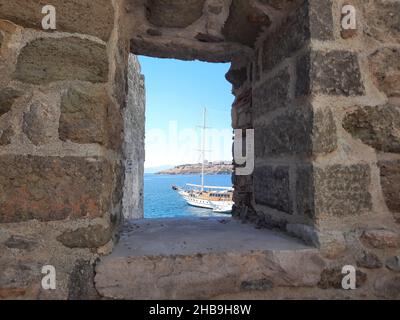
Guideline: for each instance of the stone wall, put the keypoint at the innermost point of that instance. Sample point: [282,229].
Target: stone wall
[67,138]
[325,107]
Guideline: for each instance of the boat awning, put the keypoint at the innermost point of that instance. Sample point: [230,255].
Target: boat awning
[209,187]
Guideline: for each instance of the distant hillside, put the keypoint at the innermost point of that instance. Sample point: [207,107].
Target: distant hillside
[157,169]
[214,168]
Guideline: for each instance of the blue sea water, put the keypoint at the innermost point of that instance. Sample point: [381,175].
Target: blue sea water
[160,201]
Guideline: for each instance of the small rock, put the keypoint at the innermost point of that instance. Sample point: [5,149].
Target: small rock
[257,285]
[380,238]
[393,263]
[17,242]
[332,278]
[369,261]
[89,237]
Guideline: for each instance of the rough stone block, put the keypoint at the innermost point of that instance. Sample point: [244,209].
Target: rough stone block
[380,238]
[336,190]
[312,21]
[369,260]
[36,123]
[6,135]
[388,287]
[272,94]
[7,98]
[390,181]
[53,188]
[383,20]
[272,187]
[385,67]
[245,23]
[174,13]
[81,16]
[332,278]
[46,60]
[378,127]
[330,73]
[297,132]
[87,237]
[89,116]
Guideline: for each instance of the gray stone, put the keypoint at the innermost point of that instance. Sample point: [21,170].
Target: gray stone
[6,135]
[237,76]
[383,21]
[272,187]
[174,13]
[378,127]
[272,94]
[7,98]
[36,122]
[312,21]
[245,23]
[296,132]
[342,190]
[81,282]
[336,190]
[385,67]
[46,60]
[387,287]
[369,260]
[393,263]
[22,243]
[80,16]
[390,181]
[257,285]
[86,237]
[330,73]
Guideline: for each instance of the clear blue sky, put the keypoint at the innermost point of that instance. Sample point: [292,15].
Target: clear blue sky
[176,93]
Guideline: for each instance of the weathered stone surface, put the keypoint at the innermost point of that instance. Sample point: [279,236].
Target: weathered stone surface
[378,127]
[342,190]
[174,13]
[86,237]
[332,278]
[390,181]
[22,243]
[7,98]
[6,135]
[272,187]
[332,73]
[81,282]
[380,238]
[82,16]
[278,4]
[388,287]
[336,190]
[385,67]
[297,132]
[257,285]
[272,94]
[393,263]
[184,264]
[312,21]
[245,23]
[383,21]
[88,116]
[369,260]
[237,76]
[53,188]
[46,60]
[36,122]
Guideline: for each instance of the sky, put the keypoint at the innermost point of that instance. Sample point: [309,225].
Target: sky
[176,94]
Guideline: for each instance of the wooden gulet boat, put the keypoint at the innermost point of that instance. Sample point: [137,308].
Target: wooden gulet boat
[219,199]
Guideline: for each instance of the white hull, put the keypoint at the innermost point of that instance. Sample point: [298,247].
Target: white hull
[195,201]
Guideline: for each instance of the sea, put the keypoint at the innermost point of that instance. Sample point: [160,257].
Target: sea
[160,201]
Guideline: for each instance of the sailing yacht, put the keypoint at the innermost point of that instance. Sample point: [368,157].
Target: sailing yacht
[219,199]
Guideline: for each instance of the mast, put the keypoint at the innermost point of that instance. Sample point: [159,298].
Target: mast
[203,147]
